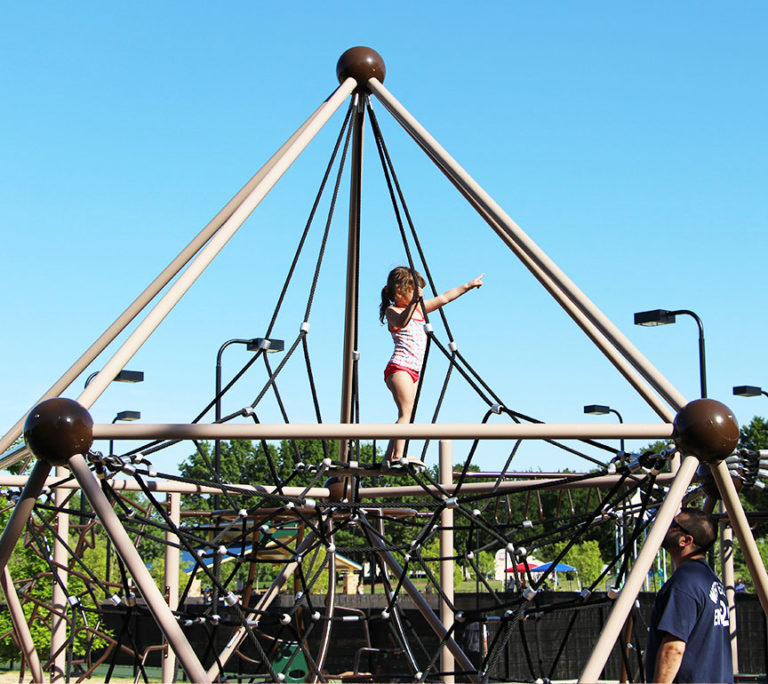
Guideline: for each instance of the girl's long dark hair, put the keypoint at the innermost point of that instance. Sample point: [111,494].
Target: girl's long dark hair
[400,279]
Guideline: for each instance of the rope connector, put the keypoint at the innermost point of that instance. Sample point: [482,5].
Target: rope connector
[497,409]
[428,328]
[453,346]
[355,355]
[305,327]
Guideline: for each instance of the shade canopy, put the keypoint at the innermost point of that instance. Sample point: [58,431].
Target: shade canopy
[560,567]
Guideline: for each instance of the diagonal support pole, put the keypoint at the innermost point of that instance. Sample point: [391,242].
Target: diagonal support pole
[213,247]
[743,532]
[146,585]
[623,606]
[153,288]
[559,285]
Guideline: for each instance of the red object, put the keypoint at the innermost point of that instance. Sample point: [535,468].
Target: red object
[522,567]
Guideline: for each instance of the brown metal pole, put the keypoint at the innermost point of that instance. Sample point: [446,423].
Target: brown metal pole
[447,662]
[743,532]
[20,626]
[152,290]
[726,560]
[172,558]
[521,244]
[59,595]
[353,253]
[212,248]
[146,585]
[634,583]
[23,509]
[330,607]
[424,608]
[346,431]
[264,602]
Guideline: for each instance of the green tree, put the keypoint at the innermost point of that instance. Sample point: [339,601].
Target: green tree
[585,557]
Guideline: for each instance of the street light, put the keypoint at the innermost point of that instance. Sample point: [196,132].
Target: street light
[749,391]
[664,317]
[601,410]
[122,376]
[127,416]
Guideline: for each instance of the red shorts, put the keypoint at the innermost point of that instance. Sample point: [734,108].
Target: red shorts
[394,368]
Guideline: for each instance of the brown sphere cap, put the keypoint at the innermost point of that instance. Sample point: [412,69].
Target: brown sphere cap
[57,429]
[706,428]
[338,488]
[361,63]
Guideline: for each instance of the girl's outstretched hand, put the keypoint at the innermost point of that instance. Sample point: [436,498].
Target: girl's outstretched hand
[477,282]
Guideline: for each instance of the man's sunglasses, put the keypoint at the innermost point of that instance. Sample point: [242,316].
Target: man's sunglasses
[689,533]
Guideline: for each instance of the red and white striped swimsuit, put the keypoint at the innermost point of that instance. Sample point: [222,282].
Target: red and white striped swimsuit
[410,345]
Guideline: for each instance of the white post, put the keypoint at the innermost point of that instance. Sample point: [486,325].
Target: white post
[59,599]
[172,558]
[726,559]
[447,663]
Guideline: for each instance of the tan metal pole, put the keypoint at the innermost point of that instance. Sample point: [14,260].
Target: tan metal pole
[424,608]
[447,663]
[353,247]
[239,635]
[151,291]
[381,430]
[743,532]
[20,626]
[59,597]
[726,560]
[15,526]
[212,248]
[517,240]
[146,585]
[172,559]
[634,583]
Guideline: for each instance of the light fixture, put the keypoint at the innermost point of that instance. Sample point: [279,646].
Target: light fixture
[664,317]
[127,416]
[655,317]
[267,344]
[122,376]
[748,391]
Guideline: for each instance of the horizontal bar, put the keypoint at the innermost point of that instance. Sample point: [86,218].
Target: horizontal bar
[166,486]
[138,431]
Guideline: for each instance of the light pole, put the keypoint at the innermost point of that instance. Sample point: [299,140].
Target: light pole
[127,416]
[601,410]
[254,344]
[664,317]
[749,391]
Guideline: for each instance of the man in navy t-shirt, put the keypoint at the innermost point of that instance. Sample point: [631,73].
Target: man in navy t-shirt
[689,636]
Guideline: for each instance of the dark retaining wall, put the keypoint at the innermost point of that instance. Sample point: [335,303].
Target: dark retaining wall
[531,650]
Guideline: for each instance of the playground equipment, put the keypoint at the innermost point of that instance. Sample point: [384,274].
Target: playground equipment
[318,500]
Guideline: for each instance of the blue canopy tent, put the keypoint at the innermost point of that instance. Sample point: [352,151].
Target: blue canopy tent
[560,567]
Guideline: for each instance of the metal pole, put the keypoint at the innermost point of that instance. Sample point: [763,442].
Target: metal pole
[424,608]
[146,585]
[447,663]
[59,599]
[152,290]
[172,558]
[353,252]
[20,626]
[528,251]
[435,431]
[743,532]
[726,560]
[23,509]
[213,247]
[264,602]
[626,599]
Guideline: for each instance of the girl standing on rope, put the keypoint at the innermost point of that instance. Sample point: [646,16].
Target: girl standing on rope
[400,300]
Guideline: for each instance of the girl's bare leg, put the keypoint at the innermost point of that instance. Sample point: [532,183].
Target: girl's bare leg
[403,390]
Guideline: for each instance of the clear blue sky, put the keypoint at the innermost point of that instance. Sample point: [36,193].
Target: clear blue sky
[627,139]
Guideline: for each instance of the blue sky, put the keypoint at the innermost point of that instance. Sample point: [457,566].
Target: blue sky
[627,139]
